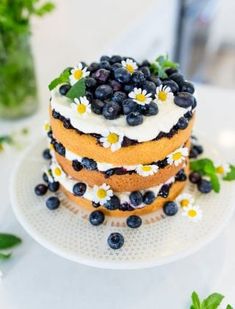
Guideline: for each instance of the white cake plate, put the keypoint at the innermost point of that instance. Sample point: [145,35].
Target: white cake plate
[67,232]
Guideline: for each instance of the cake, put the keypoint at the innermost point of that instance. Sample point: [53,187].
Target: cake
[119,135]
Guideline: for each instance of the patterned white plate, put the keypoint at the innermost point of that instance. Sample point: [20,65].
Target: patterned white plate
[68,233]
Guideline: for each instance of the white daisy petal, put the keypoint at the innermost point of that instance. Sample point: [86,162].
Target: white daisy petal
[112,139]
[164,94]
[102,194]
[147,170]
[178,156]
[185,200]
[222,168]
[77,73]
[140,96]
[193,213]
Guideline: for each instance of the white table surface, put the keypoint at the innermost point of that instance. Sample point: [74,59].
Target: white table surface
[35,278]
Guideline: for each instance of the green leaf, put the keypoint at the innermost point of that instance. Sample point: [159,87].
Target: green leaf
[205,166]
[231,174]
[212,302]
[8,241]
[5,256]
[63,78]
[229,307]
[161,64]
[215,182]
[44,9]
[196,300]
[77,90]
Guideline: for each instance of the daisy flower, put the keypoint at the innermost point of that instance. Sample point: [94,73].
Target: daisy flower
[81,106]
[77,73]
[57,172]
[178,156]
[102,194]
[46,127]
[185,200]
[194,213]
[112,139]
[140,96]
[222,169]
[163,94]
[129,65]
[147,170]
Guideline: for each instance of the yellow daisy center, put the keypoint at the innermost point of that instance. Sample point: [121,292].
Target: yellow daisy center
[192,213]
[162,95]
[78,74]
[220,170]
[46,126]
[81,108]
[57,171]
[184,203]
[1,148]
[101,193]
[130,68]
[112,138]
[140,97]
[146,168]
[51,147]
[176,156]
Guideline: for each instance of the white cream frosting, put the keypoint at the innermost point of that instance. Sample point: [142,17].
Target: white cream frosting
[168,115]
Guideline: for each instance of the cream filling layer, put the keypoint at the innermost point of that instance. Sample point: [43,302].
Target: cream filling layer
[167,117]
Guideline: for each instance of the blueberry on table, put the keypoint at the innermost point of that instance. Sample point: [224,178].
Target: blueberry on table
[134,119]
[79,189]
[89,163]
[170,208]
[151,109]
[77,166]
[113,203]
[129,106]
[64,89]
[187,87]
[204,186]
[96,217]
[148,197]
[115,241]
[111,110]
[53,186]
[122,75]
[195,177]
[46,154]
[45,177]
[134,222]
[103,92]
[198,148]
[136,198]
[52,203]
[97,106]
[40,189]
[184,99]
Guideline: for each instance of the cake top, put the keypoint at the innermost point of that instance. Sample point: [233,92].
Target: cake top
[139,100]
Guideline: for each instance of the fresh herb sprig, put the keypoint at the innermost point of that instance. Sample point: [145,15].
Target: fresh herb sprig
[161,64]
[7,241]
[211,302]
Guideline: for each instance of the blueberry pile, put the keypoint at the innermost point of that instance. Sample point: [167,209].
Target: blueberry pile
[203,185]
[109,84]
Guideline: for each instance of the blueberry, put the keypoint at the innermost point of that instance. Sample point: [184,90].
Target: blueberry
[119,96]
[155,79]
[95,205]
[113,203]
[53,186]
[182,123]
[115,241]
[103,92]
[66,123]
[150,87]
[52,203]
[79,189]
[105,65]
[194,103]
[136,198]
[134,222]
[178,78]
[89,163]
[148,197]
[134,119]
[193,154]
[90,82]
[145,63]
[49,134]
[77,166]
[115,58]
[195,177]
[170,208]
[64,89]
[94,66]
[128,88]
[181,176]
[115,85]
[164,192]
[204,186]
[40,189]
[102,75]
[111,110]
[145,70]
[150,109]
[171,71]
[96,217]
[97,106]
[104,58]
[129,106]
[187,87]
[198,148]
[184,99]
[116,66]
[122,75]
[55,114]
[46,154]
[172,85]
[60,149]
[138,77]
[45,177]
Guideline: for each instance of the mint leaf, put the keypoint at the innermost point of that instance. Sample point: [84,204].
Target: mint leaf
[77,90]
[231,174]
[195,300]
[161,64]
[44,9]
[63,78]
[205,166]
[8,241]
[5,256]
[215,182]
[212,302]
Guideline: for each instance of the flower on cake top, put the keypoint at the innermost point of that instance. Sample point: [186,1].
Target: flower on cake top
[81,106]
[178,156]
[112,139]
[163,94]
[77,73]
[194,213]
[102,194]
[147,170]
[140,96]
[46,127]
[57,171]
[129,65]
[222,168]
[185,200]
